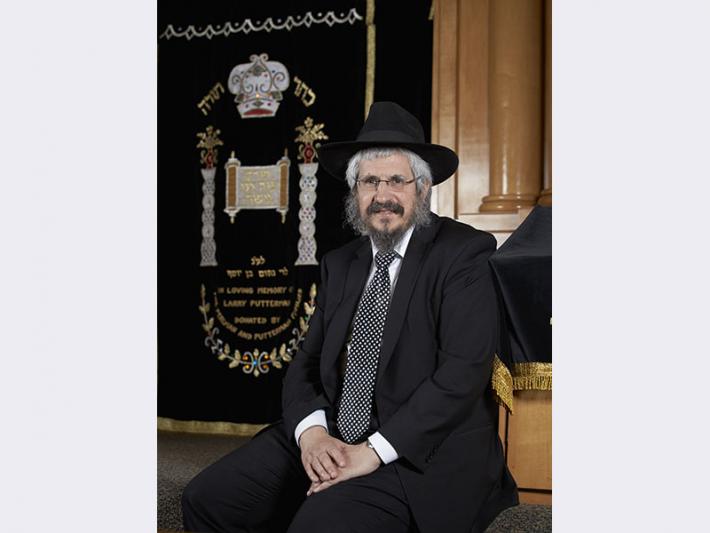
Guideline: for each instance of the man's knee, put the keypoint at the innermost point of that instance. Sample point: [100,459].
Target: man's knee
[194,497]
[205,509]
[323,513]
[365,505]
[309,519]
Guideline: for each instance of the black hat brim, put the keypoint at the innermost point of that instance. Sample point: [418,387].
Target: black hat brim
[335,156]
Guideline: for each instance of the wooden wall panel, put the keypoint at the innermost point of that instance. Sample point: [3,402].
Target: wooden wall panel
[445,96]
[460,101]
[529,448]
[473,145]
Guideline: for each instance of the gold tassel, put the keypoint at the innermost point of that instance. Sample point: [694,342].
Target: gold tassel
[502,384]
[532,376]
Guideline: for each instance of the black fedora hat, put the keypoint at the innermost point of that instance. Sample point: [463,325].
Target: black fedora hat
[390,125]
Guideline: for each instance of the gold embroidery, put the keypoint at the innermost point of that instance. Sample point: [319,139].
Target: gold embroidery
[307,136]
[209,141]
[217,428]
[257,362]
[370,71]
[210,98]
[308,97]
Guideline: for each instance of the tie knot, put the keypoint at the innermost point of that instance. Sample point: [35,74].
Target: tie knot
[383,260]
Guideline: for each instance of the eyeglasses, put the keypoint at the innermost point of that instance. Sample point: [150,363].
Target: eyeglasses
[371,183]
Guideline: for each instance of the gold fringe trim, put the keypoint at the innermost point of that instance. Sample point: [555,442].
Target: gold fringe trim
[215,428]
[502,384]
[370,71]
[532,376]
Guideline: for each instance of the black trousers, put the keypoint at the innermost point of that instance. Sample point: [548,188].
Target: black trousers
[261,487]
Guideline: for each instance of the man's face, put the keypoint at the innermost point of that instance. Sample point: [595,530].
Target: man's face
[385,210]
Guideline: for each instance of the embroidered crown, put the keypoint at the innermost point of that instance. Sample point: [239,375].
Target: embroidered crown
[258,86]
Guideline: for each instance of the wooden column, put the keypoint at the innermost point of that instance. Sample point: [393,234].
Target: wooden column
[515,104]
[546,194]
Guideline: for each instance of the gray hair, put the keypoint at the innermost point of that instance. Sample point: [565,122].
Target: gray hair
[420,168]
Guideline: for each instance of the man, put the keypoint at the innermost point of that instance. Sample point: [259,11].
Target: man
[388,422]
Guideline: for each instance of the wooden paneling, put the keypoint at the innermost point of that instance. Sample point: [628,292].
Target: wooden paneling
[472,113]
[529,448]
[461,105]
[461,121]
[515,108]
[445,96]
[546,196]
[460,101]
[543,498]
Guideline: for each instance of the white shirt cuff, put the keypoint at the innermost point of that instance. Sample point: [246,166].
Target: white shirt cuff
[383,448]
[316,418]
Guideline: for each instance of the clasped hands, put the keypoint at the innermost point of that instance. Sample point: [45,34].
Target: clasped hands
[329,461]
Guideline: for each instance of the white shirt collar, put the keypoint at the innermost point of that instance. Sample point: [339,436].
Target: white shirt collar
[401,246]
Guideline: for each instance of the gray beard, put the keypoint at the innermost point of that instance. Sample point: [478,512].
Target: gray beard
[385,240]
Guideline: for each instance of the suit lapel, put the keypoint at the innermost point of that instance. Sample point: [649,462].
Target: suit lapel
[411,265]
[342,318]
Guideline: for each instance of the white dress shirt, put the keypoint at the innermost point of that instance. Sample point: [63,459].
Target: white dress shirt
[317,418]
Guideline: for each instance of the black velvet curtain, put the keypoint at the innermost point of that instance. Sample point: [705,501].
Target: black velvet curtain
[233,300]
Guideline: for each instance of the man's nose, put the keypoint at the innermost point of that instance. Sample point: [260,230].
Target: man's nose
[383,192]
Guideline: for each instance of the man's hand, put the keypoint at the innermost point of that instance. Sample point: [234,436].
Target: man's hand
[360,460]
[321,454]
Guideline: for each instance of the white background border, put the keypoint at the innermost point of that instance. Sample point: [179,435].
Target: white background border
[78,269]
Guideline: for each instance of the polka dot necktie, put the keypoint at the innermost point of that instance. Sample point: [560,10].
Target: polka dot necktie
[361,368]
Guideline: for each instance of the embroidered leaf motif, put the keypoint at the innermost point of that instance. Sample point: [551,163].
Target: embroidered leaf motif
[256,362]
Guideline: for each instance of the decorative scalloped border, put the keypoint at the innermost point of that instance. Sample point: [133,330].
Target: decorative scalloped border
[268,25]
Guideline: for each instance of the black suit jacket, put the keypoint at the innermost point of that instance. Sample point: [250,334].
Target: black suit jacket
[432,395]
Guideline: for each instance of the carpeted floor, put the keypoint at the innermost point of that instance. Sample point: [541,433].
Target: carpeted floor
[182,455]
